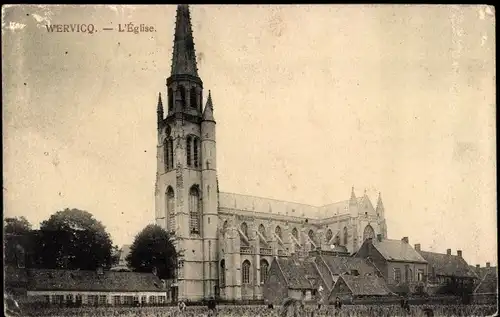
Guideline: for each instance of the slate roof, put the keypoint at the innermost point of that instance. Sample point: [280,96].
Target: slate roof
[447,265]
[295,273]
[365,285]
[75,280]
[343,264]
[488,285]
[397,250]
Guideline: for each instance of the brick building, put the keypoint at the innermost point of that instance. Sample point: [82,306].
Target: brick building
[445,270]
[350,288]
[101,288]
[400,265]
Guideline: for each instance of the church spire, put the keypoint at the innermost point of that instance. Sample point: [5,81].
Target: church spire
[159,109]
[184,56]
[380,205]
[353,200]
[208,113]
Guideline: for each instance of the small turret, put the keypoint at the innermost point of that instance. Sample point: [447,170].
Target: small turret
[159,110]
[208,113]
[380,206]
[353,204]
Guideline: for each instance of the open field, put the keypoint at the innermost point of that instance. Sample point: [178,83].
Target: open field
[263,311]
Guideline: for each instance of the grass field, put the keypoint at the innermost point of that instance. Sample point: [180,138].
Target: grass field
[263,311]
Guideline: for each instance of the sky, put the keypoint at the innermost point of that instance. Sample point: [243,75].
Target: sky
[309,100]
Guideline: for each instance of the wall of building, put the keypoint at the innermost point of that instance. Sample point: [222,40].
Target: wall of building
[41,295]
[275,289]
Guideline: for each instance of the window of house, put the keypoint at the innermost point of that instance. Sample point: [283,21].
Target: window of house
[79,298]
[181,269]
[128,300]
[152,300]
[397,275]
[116,300]
[194,210]
[59,299]
[329,235]
[93,299]
[102,300]
[410,275]
[136,300]
[69,298]
[144,300]
[245,272]
[264,270]
[295,233]
[161,300]
[47,299]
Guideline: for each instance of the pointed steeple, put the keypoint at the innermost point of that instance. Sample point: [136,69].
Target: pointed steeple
[208,113]
[184,56]
[380,205]
[159,109]
[353,200]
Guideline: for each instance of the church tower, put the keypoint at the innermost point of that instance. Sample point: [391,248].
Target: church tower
[186,195]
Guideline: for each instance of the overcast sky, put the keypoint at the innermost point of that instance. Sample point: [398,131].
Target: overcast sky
[309,101]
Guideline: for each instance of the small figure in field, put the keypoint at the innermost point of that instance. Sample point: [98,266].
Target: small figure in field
[338,306]
[182,306]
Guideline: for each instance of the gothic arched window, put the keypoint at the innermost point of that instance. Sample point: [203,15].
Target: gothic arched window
[224,228]
[222,273]
[194,210]
[264,270]
[312,236]
[278,232]
[193,98]
[336,240]
[244,229]
[245,272]
[329,235]
[183,96]
[170,201]
[368,233]
[169,155]
[295,233]
[195,152]
[170,99]
[188,150]
[262,230]
[345,236]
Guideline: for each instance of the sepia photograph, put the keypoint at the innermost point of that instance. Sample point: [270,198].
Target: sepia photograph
[249,160]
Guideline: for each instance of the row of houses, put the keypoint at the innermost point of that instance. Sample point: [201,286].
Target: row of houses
[381,269]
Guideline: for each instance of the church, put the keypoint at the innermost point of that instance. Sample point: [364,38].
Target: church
[228,241]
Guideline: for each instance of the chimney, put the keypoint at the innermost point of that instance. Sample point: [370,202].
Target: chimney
[487,264]
[417,247]
[448,251]
[379,237]
[405,240]
[459,253]
[478,266]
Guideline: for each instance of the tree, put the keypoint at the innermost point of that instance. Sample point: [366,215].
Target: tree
[16,225]
[73,239]
[17,242]
[153,249]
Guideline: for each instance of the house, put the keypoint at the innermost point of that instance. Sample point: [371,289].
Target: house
[349,288]
[311,278]
[447,273]
[486,290]
[399,264]
[76,287]
[290,278]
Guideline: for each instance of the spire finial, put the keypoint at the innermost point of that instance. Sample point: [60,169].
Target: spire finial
[159,109]
[353,197]
[184,56]
[208,113]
